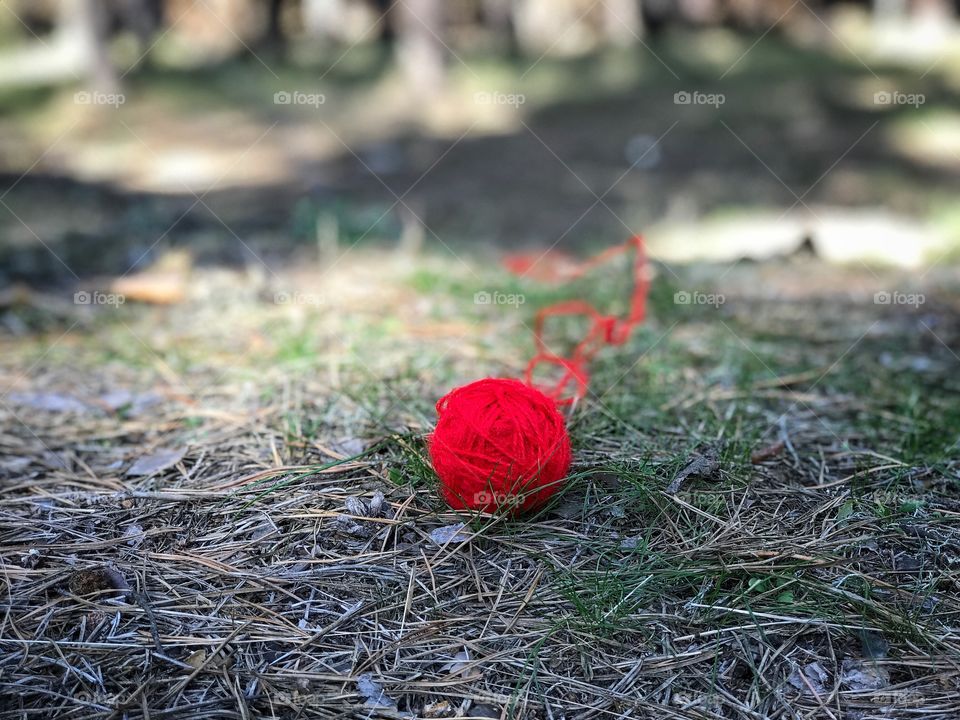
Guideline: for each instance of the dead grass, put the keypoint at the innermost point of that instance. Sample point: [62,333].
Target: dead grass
[283,561]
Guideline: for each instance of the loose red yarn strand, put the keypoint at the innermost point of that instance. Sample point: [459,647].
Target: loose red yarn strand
[501,443]
[604,329]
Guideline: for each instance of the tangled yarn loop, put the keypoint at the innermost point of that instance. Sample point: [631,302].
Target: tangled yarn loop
[604,329]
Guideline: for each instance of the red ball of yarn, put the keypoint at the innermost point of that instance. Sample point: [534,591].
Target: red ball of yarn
[499,444]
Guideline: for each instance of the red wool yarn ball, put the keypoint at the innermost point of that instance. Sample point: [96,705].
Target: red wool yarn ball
[499,444]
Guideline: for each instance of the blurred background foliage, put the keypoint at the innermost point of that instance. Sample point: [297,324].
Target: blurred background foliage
[256,130]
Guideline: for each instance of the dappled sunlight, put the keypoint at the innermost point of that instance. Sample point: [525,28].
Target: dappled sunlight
[921,39]
[932,139]
[834,234]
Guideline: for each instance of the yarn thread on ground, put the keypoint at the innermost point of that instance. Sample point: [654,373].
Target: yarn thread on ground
[502,444]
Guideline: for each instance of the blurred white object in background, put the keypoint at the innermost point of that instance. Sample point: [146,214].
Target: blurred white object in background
[838,235]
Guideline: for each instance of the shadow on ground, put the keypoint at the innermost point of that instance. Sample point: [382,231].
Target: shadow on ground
[796,128]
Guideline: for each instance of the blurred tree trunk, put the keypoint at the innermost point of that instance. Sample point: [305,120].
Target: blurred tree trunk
[659,13]
[761,15]
[746,13]
[622,21]
[498,16]
[420,50]
[143,17]
[700,12]
[88,21]
[934,9]
[889,9]
[274,33]
[387,31]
